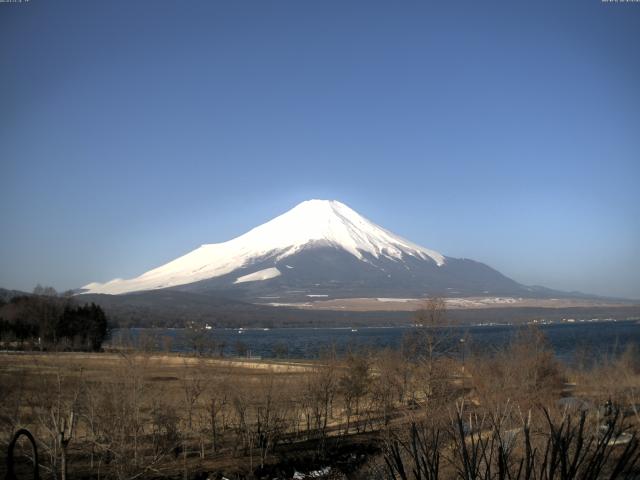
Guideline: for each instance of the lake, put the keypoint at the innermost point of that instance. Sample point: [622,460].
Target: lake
[588,339]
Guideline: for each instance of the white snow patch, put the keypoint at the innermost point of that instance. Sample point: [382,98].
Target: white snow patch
[277,304]
[265,274]
[399,300]
[323,472]
[480,301]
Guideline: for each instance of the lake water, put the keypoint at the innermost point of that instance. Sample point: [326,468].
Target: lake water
[590,339]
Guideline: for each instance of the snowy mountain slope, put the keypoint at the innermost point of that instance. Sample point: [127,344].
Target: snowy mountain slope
[314,224]
[324,249]
[320,270]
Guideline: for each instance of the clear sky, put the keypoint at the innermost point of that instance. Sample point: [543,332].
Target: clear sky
[508,132]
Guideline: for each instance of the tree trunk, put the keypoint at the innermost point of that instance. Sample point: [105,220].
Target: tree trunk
[63,463]
[214,429]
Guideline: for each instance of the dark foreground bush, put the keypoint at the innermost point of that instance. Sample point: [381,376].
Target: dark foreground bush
[489,448]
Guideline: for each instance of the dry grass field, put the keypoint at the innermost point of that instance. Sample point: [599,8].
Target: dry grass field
[180,413]
[134,414]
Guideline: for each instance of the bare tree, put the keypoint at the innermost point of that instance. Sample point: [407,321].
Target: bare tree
[120,423]
[353,385]
[193,384]
[525,372]
[321,387]
[270,416]
[218,405]
[55,403]
[200,339]
[500,446]
[45,291]
[431,342]
[165,433]
[390,382]
[240,402]
[431,336]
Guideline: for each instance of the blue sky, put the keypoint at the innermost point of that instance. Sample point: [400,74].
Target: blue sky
[507,132]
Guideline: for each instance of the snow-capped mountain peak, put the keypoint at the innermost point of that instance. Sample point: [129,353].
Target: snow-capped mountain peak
[310,223]
[335,223]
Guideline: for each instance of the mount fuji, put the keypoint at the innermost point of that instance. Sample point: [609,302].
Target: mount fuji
[320,249]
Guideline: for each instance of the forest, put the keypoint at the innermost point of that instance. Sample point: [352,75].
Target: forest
[47,321]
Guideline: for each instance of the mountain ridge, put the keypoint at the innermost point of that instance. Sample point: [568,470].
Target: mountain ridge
[321,222]
[321,248]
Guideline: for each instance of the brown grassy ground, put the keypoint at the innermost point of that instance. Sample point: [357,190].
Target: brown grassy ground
[312,412]
[29,383]
[26,377]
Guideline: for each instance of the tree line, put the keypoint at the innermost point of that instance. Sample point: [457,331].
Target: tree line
[46,320]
